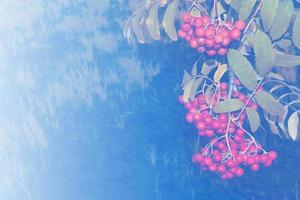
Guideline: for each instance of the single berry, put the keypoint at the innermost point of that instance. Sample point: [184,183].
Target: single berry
[237,82]
[209,133]
[213,168]
[180,99]
[239,159]
[242,97]
[201,125]
[272,155]
[250,160]
[188,105]
[235,34]
[229,175]
[186,27]
[237,138]
[268,163]
[181,33]
[226,41]
[188,38]
[218,158]
[255,167]
[224,32]
[222,51]
[200,31]
[217,46]
[215,124]
[209,43]
[201,49]
[207,161]
[240,25]
[206,20]
[223,118]
[230,163]
[197,117]
[198,22]
[186,17]
[239,172]
[190,32]
[240,132]
[263,158]
[210,33]
[211,52]
[223,86]
[201,133]
[201,41]
[219,38]
[198,157]
[193,43]
[208,120]
[189,117]
[221,168]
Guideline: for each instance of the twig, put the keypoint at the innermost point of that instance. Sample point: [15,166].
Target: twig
[252,19]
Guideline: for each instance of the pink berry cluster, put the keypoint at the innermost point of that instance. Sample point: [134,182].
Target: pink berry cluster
[206,36]
[231,148]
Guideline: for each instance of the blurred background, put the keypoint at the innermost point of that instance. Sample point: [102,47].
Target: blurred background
[85,115]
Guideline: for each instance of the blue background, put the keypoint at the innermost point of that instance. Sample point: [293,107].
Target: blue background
[84,115]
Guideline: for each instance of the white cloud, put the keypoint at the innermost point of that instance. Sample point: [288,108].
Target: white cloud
[136,73]
[77,85]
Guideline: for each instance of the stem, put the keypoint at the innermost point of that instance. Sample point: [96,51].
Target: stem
[227,133]
[249,99]
[212,100]
[214,10]
[207,78]
[210,145]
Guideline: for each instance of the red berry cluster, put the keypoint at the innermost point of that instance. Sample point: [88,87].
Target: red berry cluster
[206,36]
[230,146]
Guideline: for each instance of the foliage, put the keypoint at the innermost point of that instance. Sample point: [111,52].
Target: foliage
[272,37]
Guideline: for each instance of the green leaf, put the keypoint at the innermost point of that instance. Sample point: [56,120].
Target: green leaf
[186,78]
[195,11]
[269,103]
[282,19]
[220,8]
[136,25]
[253,118]
[187,90]
[286,60]
[152,22]
[242,69]
[250,38]
[195,87]
[208,66]
[268,12]
[246,8]
[296,31]
[235,4]
[293,125]
[284,43]
[264,53]
[195,70]
[229,105]
[220,72]
[169,19]
[209,94]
